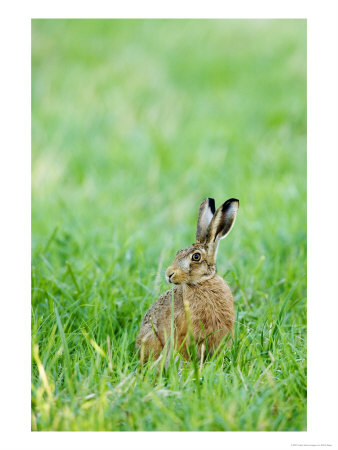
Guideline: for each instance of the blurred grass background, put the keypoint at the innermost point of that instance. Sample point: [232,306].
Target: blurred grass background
[134,123]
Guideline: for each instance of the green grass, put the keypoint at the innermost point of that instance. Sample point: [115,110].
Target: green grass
[133,124]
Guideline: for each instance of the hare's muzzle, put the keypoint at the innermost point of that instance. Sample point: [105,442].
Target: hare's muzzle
[169,275]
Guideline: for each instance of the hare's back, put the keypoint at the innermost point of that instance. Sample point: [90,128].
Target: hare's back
[160,312]
[155,327]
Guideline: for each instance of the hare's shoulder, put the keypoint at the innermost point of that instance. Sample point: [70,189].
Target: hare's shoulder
[162,306]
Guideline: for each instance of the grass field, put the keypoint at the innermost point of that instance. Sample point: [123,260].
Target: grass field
[134,123]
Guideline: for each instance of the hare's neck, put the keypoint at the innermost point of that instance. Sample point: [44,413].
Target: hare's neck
[214,283]
[206,296]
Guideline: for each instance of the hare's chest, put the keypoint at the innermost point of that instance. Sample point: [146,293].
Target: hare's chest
[205,312]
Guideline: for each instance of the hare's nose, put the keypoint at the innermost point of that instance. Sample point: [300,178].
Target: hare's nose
[169,274]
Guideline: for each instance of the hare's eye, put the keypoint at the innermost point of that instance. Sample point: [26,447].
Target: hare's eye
[196,257]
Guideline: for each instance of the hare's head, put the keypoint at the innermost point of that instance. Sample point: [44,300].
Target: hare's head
[198,263]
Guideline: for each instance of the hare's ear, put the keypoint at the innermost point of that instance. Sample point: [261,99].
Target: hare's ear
[222,222]
[206,212]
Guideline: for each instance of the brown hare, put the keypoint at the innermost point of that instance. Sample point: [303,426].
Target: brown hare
[203,306]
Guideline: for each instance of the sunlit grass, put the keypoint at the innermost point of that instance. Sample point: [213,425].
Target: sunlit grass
[133,124]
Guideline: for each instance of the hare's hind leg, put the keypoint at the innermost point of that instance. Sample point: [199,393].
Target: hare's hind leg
[149,345]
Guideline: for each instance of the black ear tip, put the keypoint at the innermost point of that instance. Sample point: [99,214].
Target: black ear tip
[211,203]
[229,202]
[232,200]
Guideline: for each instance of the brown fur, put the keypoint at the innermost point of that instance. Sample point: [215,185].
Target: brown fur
[208,306]
[202,301]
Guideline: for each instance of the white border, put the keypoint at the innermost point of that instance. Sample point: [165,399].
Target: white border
[322,223]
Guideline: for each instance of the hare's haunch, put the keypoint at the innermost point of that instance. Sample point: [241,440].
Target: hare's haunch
[203,303]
